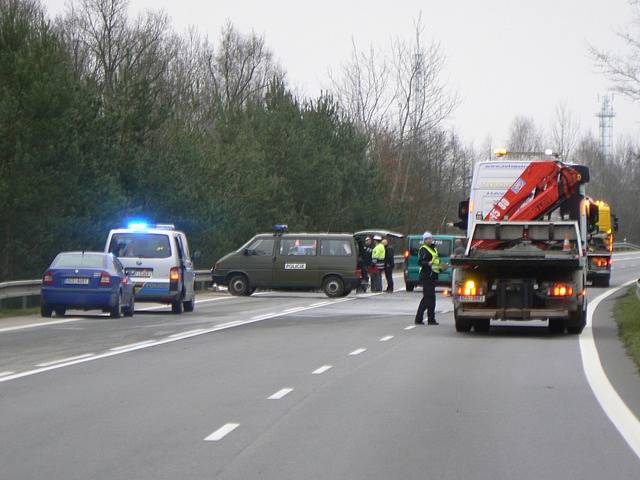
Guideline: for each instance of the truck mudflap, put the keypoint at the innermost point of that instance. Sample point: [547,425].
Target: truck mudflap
[512,313]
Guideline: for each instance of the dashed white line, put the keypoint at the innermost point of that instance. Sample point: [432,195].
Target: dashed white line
[358,351]
[62,360]
[222,432]
[2,374]
[132,345]
[387,338]
[188,332]
[322,369]
[280,393]
[409,327]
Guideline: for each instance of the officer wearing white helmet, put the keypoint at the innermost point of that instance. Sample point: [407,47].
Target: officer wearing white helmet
[377,256]
[429,269]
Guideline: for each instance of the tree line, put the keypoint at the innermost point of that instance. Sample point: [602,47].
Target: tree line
[106,117]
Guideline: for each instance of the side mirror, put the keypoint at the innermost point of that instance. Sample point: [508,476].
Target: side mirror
[463,210]
[593,214]
[615,223]
[196,255]
[248,251]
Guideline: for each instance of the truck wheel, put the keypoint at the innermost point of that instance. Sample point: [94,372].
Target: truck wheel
[462,324]
[482,325]
[410,287]
[239,285]
[333,286]
[556,325]
[577,322]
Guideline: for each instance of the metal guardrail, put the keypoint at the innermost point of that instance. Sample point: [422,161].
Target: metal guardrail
[617,246]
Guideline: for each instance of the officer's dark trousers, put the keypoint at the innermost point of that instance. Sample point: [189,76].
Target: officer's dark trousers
[388,274]
[428,301]
[376,281]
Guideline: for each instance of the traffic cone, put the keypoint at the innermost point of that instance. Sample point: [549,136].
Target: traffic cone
[566,245]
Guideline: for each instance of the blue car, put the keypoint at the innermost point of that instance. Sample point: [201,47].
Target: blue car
[86,281]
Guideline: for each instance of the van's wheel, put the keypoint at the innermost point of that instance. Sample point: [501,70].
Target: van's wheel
[251,290]
[46,310]
[410,287]
[333,286]
[347,291]
[176,306]
[482,325]
[114,311]
[60,311]
[238,285]
[462,324]
[189,305]
[556,325]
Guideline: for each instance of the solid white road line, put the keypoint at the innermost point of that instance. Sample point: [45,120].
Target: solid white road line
[321,370]
[387,338]
[132,345]
[41,324]
[68,359]
[319,304]
[222,432]
[2,374]
[358,351]
[614,407]
[280,393]
[188,332]
[410,327]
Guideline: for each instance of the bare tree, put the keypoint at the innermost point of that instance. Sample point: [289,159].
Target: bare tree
[623,69]
[524,135]
[564,130]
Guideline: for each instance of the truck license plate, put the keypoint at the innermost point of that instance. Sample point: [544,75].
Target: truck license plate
[473,299]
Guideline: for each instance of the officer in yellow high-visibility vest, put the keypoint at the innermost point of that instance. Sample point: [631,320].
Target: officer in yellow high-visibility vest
[429,268]
[377,257]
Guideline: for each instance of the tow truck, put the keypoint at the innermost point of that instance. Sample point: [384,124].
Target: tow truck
[525,258]
[600,244]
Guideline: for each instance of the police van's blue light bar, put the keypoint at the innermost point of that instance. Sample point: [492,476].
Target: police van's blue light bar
[138,225]
[280,228]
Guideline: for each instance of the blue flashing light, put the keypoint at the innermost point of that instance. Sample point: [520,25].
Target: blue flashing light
[138,225]
[280,229]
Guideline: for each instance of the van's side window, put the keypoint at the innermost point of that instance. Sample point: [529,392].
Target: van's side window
[298,246]
[262,246]
[335,248]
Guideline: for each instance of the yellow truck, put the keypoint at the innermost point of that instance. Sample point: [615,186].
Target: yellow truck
[600,244]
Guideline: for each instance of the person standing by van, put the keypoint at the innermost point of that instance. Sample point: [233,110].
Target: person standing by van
[389,264]
[429,268]
[377,256]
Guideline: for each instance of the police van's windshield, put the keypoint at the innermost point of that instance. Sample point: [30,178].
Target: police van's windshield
[140,245]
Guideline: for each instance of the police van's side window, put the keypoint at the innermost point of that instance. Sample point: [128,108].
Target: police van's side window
[298,246]
[335,248]
[262,246]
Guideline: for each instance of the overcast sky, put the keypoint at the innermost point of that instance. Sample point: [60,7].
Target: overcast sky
[504,57]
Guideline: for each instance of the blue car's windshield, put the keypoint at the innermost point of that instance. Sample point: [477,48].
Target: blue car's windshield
[75,260]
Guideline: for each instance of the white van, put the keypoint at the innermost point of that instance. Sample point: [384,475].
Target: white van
[158,261]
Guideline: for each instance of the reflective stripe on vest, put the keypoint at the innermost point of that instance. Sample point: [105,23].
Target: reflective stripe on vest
[435,262]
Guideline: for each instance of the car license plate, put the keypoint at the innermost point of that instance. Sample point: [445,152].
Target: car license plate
[139,272]
[472,299]
[76,281]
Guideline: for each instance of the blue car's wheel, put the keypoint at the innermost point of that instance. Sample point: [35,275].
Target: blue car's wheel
[60,311]
[45,310]
[129,309]
[115,310]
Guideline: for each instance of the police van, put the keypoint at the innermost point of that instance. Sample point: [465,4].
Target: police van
[158,261]
[291,261]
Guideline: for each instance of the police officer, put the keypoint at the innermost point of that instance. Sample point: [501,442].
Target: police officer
[389,264]
[429,269]
[377,256]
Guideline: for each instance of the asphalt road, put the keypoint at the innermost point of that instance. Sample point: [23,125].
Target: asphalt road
[297,386]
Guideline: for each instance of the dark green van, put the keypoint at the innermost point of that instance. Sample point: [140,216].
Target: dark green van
[443,243]
[291,261]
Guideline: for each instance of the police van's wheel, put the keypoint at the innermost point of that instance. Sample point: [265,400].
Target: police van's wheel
[333,286]
[239,285]
[410,287]
[176,306]
[481,325]
[462,324]
[189,305]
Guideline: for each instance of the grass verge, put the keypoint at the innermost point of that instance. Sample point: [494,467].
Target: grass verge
[627,315]
[16,312]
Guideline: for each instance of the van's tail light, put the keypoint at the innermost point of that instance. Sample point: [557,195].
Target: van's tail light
[561,290]
[47,278]
[359,273]
[174,274]
[105,279]
[406,254]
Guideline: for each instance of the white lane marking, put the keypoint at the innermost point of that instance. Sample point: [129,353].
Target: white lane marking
[132,346]
[41,324]
[188,332]
[358,351]
[293,310]
[148,344]
[409,327]
[280,393]
[2,374]
[321,370]
[387,338]
[222,432]
[62,360]
[264,316]
[614,407]
[319,304]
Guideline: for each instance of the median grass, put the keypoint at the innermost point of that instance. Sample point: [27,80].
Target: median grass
[627,315]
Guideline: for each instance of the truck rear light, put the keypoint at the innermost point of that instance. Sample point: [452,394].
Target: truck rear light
[561,290]
[174,274]
[469,289]
[47,278]
[406,254]
[601,261]
[105,279]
